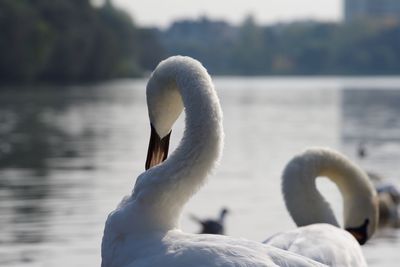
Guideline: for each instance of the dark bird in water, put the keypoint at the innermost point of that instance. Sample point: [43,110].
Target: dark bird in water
[212,226]
[361,150]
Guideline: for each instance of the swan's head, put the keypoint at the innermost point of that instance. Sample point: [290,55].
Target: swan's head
[362,218]
[164,104]
[359,195]
[361,207]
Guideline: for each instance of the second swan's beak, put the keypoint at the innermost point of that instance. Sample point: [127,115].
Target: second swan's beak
[360,233]
[158,149]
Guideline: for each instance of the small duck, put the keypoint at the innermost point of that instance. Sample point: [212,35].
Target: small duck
[212,226]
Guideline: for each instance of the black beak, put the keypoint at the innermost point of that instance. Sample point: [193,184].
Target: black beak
[360,233]
[158,149]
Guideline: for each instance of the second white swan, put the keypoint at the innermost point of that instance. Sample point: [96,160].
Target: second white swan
[319,236]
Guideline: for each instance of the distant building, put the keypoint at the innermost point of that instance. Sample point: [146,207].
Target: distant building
[380,9]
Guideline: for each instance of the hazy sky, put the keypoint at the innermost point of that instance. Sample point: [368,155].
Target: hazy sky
[162,12]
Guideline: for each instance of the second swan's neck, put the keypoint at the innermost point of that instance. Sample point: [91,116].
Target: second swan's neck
[302,198]
[163,190]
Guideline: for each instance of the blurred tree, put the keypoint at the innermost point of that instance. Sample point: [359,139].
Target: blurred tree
[209,41]
[70,41]
[73,41]
[23,46]
[250,53]
[150,50]
[305,48]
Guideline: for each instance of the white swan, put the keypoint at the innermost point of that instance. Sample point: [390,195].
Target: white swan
[319,236]
[389,201]
[389,214]
[143,230]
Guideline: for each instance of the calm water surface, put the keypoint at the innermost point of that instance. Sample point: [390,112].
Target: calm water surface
[68,155]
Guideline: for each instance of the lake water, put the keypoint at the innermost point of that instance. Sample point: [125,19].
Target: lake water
[69,154]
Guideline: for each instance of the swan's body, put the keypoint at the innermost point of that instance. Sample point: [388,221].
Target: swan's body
[142,231]
[319,236]
[178,249]
[323,243]
[212,226]
[389,214]
[389,201]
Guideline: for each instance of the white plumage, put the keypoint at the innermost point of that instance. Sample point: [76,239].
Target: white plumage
[319,236]
[142,231]
[389,201]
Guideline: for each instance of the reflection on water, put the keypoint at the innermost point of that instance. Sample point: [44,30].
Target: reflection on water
[29,138]
[372,117]
[68,155]
[48,140]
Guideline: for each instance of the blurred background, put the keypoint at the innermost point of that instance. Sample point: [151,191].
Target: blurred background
[73,116]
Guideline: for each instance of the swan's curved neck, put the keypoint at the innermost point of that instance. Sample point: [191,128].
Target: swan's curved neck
[163,190]
[302,198]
